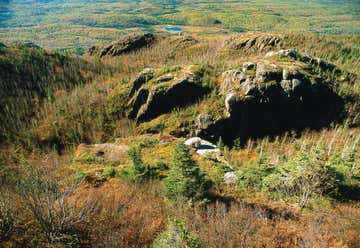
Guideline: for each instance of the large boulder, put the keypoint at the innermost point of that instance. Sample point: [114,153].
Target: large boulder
[125,44]
[230,178]
[100,153]
[203,147]
[283,53]
[194,142]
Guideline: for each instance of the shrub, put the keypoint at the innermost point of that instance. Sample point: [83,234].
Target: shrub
[176,236]
[185,180]
[110,172]
[139,171]
[251,175]
[129,215]
[135,157]
[308,175]
[50,202]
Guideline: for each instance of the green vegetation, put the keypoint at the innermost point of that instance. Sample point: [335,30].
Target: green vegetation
[29,75]
[139,171]
[79,23]
[310,174]
[185,181]
[77,171]
[176,236]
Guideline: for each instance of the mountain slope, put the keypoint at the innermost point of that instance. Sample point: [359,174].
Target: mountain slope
[28,74]
[249,140]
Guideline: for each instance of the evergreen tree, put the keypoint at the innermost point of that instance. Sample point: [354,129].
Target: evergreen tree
[185,180]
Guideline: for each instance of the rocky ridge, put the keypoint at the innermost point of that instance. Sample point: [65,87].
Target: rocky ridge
[282,91]
[264,97]
[125,44]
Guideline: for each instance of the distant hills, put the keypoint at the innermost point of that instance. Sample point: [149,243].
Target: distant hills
[71,24]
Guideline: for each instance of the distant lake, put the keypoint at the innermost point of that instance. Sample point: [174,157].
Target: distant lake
[173,29]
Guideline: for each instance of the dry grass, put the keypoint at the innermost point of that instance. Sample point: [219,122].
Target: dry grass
[128,215]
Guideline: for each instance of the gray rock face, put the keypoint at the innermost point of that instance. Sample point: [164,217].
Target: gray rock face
[250,88]
[231,80]
[164,78]
[165,92]
[277,98]
[265,73]
[258,42]
[203,121]
[230,101]
[286,85]
[141,99]
[230,178]
[248,66]
[127,44]
[283,53]
[143,77]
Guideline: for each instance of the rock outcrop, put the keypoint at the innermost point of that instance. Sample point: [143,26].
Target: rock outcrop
[253,42]
[321,64]
[30,44]
[203,147]
[144,76]
[99,153]
[184,41]
[265,98]
[158,94]
[126,44]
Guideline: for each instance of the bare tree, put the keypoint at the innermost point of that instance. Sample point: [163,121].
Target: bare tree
[53,205]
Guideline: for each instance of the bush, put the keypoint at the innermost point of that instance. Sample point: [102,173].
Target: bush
[251,175]
[176,236]
[185,180]
[49,199]
[139,171]
[311,173]
[308,175]
[110,172]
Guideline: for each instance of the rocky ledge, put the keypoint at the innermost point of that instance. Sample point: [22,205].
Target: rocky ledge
[125,44]
[155,92]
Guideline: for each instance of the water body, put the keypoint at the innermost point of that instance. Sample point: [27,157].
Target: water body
[173,29]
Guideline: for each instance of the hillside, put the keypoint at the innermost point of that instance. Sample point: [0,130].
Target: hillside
[152,140]
[29,74]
